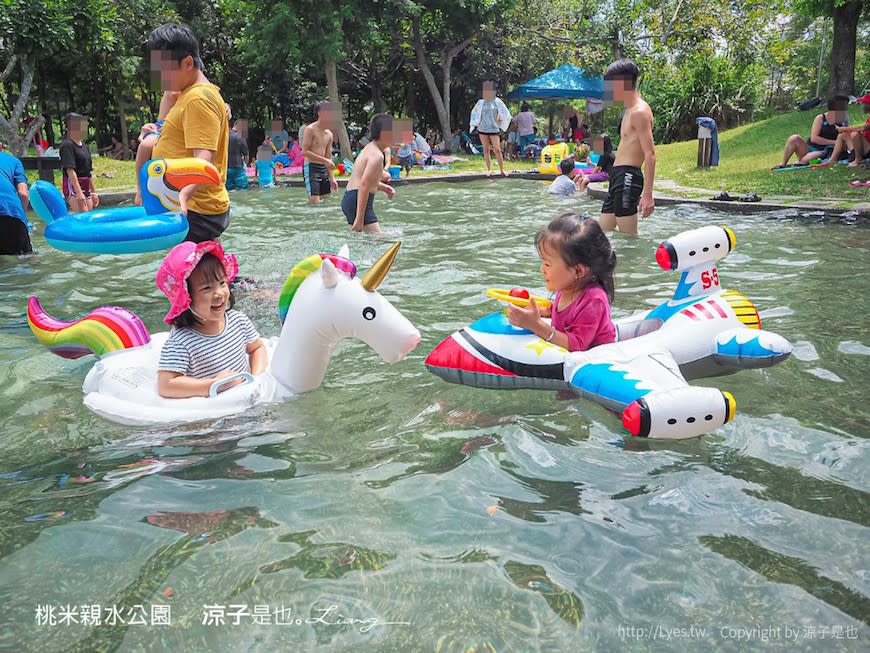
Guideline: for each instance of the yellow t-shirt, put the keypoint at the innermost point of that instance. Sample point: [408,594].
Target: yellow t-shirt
[199,121]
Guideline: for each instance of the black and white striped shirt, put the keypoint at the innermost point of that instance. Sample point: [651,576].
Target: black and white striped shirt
[200,356]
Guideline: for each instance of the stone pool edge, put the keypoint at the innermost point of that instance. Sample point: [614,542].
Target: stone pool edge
[598,191]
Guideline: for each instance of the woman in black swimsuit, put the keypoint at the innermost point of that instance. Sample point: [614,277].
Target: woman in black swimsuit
[823,135]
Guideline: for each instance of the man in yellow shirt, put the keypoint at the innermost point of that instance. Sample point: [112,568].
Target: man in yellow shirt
[195,126]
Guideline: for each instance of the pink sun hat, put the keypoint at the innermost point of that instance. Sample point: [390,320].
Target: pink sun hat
[172,275]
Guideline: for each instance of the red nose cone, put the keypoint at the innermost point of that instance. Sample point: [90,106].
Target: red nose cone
[663,257]
[631,418]
[519,292]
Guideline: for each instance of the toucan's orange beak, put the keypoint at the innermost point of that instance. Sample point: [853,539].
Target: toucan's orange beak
[184,172]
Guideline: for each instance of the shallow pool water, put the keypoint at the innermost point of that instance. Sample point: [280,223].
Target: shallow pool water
[390,511]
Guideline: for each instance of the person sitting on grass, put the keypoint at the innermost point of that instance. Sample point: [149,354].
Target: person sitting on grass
[237,157]
[564,183]
[456,140]
[854,139]
[823,135]
[422,149]
[113,151]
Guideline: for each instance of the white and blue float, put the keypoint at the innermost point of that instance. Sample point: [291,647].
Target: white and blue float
[156,225]
[703,331]
[321,303]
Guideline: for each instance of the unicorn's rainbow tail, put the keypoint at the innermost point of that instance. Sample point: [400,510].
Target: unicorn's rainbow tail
[103,330]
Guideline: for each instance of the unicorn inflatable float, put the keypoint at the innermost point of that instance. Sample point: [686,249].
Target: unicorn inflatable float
[157,224]
[321,302]
[702,331]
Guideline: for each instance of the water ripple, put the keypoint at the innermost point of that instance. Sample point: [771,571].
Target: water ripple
[452,518]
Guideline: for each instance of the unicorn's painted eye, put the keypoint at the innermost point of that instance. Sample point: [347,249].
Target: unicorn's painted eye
[369,313]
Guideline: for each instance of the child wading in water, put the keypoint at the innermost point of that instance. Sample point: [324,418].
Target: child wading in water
[368,176]
[265,166]
[209,341]
[577,262]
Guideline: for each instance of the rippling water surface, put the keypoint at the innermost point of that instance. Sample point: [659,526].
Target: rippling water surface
[390,511]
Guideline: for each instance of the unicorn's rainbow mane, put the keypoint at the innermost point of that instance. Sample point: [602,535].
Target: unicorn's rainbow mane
[103,330]
[302,270]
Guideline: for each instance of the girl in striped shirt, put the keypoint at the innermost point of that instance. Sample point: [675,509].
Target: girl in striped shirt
[209,340]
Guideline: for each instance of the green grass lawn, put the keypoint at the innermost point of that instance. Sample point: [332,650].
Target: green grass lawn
[112,175]
[746,156]
[109,174]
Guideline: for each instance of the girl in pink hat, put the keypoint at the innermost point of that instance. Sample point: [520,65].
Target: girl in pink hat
[209,340]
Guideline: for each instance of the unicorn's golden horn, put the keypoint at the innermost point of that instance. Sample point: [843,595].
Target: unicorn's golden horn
[378,271]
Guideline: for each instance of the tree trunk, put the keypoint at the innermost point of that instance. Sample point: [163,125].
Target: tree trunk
[96,121]
[442,100]
[6,89]
[446,65]
[43,105]
[332,87]
[411,97]
[49,128]
[122,115]
[378,97]
[17,143]
[842,81]
[377,89]
[440,109]
[616,43]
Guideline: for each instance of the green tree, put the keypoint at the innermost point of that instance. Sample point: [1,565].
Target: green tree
[120,70]
[440,30]
[846,15]
[30,30]
[306,30]
[374,55]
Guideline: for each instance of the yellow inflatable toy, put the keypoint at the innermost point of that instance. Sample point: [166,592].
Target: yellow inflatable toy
[551,157]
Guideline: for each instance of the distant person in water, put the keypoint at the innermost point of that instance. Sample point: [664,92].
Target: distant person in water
[564,183]
[196,125]
[237,157]
[631,191]
[369,176]
[266,167]
[14,201]
[319,169]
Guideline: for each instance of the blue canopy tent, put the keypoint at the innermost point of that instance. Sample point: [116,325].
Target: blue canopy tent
[566,81]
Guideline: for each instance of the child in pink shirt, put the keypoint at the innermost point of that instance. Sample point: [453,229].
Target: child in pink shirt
[577,262]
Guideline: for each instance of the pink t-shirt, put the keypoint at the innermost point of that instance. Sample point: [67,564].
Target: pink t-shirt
[586,320]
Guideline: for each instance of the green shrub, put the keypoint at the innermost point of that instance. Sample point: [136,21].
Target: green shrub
[701,86]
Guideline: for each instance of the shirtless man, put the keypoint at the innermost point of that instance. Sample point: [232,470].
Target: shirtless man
[369,175]
[627,183]
[318,169]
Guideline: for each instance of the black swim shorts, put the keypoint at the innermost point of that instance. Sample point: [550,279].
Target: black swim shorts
[626,185]
[316,179]
[206,227]
[348,205]
[14,237]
